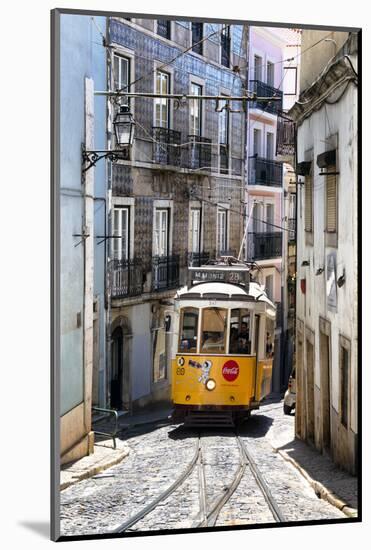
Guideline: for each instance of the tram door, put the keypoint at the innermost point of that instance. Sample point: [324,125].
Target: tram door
[257,350]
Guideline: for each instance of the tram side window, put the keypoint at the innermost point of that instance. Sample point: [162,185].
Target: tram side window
[214,324]
[269,337]
[188,330]
[240,332]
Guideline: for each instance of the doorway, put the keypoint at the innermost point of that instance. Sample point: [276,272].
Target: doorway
[310,391]
[117,368]
[325,391]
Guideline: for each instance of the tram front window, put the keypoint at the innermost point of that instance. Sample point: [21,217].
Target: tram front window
[188,332]
[214,323]
[240,332]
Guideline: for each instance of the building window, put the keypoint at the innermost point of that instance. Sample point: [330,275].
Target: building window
[269,218]
[225,46]
[197,32]
[195,106]
[224,136]
[189,330]
[121,76]
[331,200]
[269,286]
[164,28]
[270,145]
[270,73]
[222,229]
[121,237]
[308,190]
[344,380]
[258,65]
[195,230]
[161,245]
[257,141]
[213,333]
[162,111]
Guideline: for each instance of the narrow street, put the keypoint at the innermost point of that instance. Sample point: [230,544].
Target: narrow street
[160,453]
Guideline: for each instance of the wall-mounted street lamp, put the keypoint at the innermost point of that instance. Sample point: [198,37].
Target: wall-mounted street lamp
[124,127]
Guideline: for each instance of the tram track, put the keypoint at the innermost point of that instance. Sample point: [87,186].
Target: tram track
[208,513]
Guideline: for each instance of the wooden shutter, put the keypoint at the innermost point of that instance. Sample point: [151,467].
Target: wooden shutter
[308,203]
[331,200]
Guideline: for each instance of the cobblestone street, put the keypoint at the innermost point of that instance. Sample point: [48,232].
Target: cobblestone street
[158,456]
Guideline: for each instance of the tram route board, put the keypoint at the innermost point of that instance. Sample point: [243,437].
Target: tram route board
[219,275]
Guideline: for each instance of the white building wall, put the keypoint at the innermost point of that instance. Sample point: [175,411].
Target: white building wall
[337,119]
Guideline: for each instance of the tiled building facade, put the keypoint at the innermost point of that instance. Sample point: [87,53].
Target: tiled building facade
[186,166]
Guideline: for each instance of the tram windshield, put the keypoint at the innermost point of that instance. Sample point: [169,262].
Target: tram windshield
[188,332]
[213,333]
[240,332]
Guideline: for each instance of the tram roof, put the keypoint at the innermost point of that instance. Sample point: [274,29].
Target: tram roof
[250,292]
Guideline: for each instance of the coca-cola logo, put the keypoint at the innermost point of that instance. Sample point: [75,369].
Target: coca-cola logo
[230,370]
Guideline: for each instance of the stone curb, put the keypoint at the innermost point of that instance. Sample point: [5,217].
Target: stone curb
[320,490]
[95,469]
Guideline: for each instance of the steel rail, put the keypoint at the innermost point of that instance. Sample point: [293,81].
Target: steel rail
[152,505]
[213,513]
[273,506]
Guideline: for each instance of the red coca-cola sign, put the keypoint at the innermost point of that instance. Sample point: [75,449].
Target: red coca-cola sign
[230,371]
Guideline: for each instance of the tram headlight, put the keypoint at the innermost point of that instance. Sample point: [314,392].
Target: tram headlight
[210,384]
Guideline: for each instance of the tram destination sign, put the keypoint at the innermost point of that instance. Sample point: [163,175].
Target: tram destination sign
[208,275]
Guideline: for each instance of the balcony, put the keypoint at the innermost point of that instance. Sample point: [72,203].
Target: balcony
[199,152]
[164,146]
[126,277]
[261,89]
[264,171]
[285,141]
[264,246]
[197,259]
[165,272]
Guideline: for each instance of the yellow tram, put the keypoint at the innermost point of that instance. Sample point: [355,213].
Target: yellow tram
[222,347]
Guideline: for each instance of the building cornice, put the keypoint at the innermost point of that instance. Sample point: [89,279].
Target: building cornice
[339,72]
[337,76]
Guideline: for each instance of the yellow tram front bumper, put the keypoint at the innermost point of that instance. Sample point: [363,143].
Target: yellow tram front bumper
[219,380]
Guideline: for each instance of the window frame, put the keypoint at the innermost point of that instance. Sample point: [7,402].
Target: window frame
[162,101]
[226,35]
[157,231]
[200,46]
[168,28]
[181,327]
[222,210]
[201,325]
[117,254]
[192,231]
[198,105]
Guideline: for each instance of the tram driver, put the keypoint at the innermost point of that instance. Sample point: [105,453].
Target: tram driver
[244,340]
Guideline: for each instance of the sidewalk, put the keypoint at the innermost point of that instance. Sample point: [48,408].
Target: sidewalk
[105,455]
[329,482]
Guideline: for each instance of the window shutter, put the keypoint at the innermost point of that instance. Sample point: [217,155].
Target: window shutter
[331,199]
[308,203]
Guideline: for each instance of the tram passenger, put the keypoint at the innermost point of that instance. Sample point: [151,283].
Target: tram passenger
[244,345]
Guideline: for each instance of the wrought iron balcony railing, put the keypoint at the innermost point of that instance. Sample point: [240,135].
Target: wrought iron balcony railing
[126,278]
[264,171]
[199,152]
[164,146]
[261,89]
[285,141]
[165,272]
[197,259]
[264,246]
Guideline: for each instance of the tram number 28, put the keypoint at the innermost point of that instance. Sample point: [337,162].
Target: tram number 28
[180,371]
